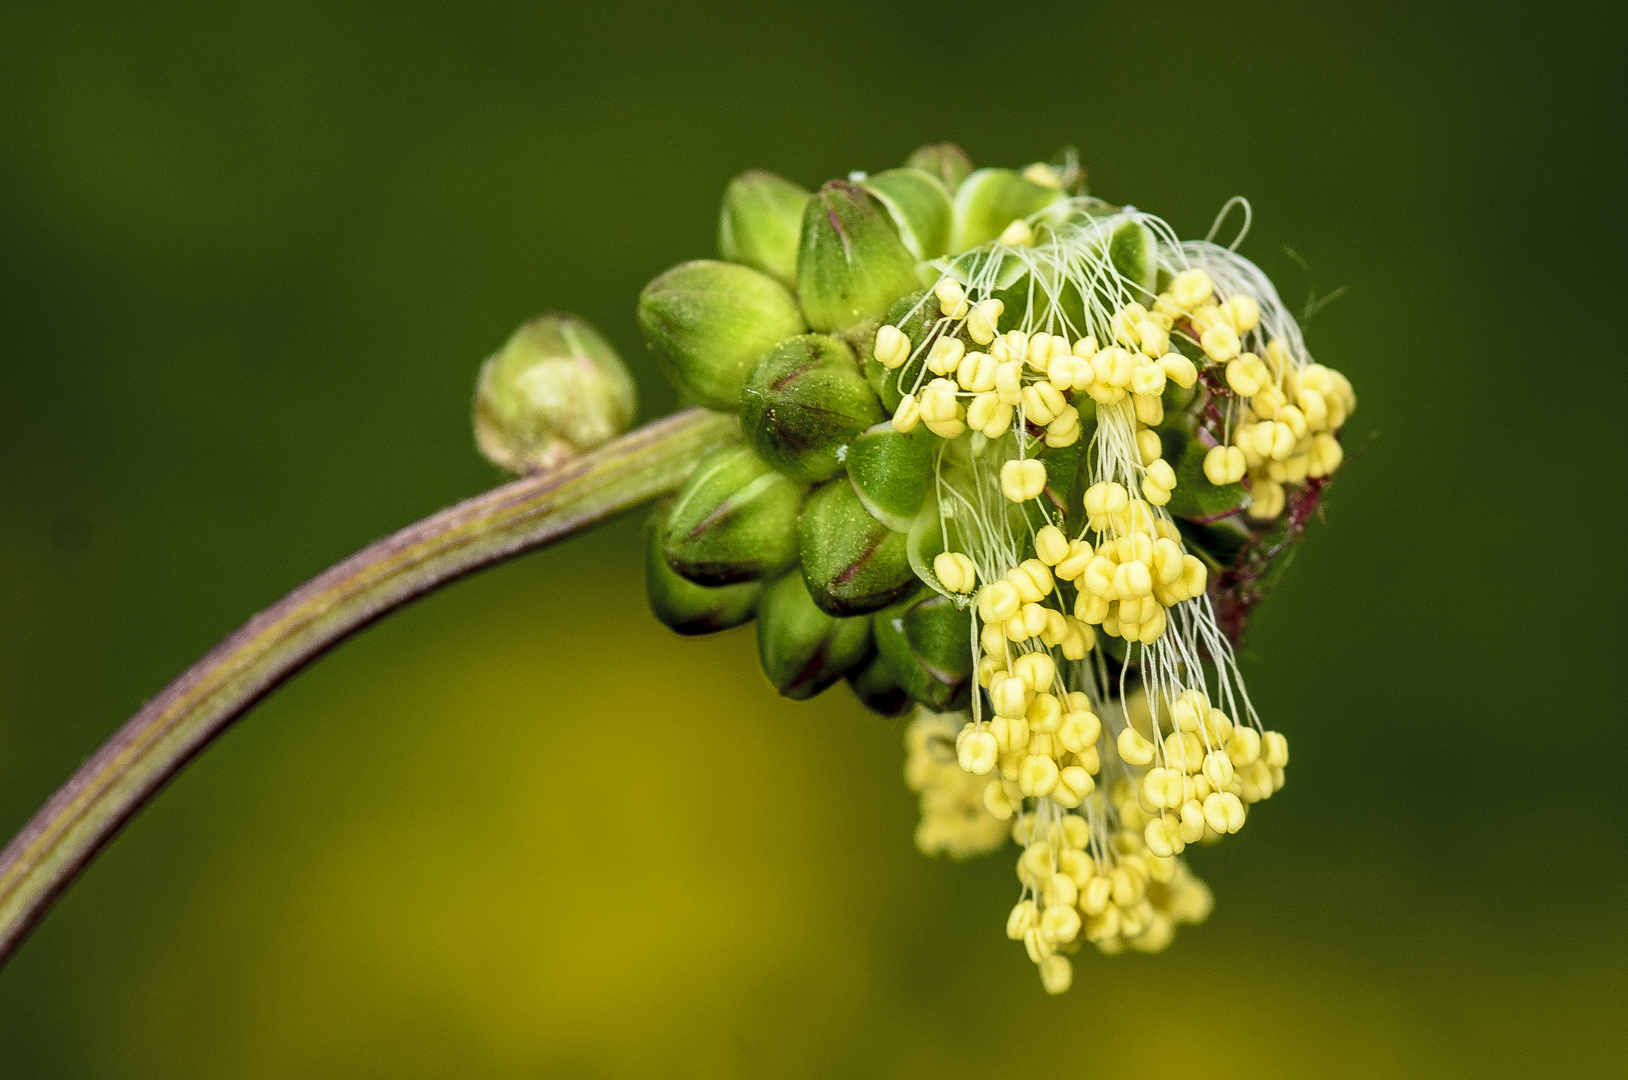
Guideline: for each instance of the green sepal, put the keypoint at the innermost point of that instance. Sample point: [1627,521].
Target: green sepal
[873,684]
[709,323]
[946,161]
[926,641]
[683,605]
[761,224]
[735,520]
[804,403]
[853,564]
[851,264]
[1195,497]
[891,472]
[1134,252]
[802,649]
[918,328]
[988,201]
[919,205]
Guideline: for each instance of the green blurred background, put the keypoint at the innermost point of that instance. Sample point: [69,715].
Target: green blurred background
[249,260]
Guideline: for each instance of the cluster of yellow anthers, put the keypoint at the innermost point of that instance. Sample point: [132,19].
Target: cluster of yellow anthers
[1284,430]
[954,821]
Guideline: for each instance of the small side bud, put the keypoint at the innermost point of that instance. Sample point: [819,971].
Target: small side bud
[554,390]
[683,605]
[947,161]
[853,564]
[925,640]
[851,264]
[920,208]
[736,520]
[804,403]
[802,649]
[761,224]
[988,202]
[710,322]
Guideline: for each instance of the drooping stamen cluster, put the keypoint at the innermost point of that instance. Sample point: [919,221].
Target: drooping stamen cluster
[1094,347]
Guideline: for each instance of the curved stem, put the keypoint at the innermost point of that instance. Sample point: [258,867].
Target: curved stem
[57,843]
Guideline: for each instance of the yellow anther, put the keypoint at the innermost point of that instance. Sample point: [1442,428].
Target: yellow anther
[981,322]
[989,665]
[998,601]
[1079,640]
[1045,714]
[993,640]
[1161,839]
[976,372]
[1032,578]
[1224,465]
[1192,824]
[945,355]
[1247,375]
[1130,882]
[938,403]
[1315,408]
[1161,476]
[955,571]
[1134,748]
[1267,499]
[1056,974]
[977,752]
[1057,629]
[1162,787]
[1023,480]
[1113,367]
[1027,623]
[1152,336]
[1074,562]
[1098,894]
[1147,446]
[1132,581]
[1074,785]
[1037,670]
[985,411]
[1295,419]
[1069,372]
[1025,916]
[997,802]
[1061,922]
[1220,342]
[952,298]
[1218,728]
[1043,403]
[1194,575]
[892,346]
[1224,812]
[1277,354]
[907,415]
[1179,370]
[1035,862]
[1037,775]
[1090,608]
[1167,560]
[1190,288]
[1217,768]
[1010,698]
[1065,429]
[1080,727]
[1242,312]
[1011,732]
[1009,381]
[1149,409]
[1148,378]
[1051,545]
[1105,497]
[1017,234]
[1098,577]
[1016,344]
[945,429]
[1324,456]
[1079,866]
[1183,752]
[1274,749]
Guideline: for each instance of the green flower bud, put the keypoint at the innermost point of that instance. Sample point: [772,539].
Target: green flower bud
[803,650]
[804,403]
[554,390]
[947,161]
[851,264]
[919,206]
[761,224]
[683,605]
[736,520]
[892,472]
[709,323]
[874,685]
[926,641]
[853,564]
[988,202]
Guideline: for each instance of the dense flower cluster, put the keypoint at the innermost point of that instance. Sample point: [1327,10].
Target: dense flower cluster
[1020,459]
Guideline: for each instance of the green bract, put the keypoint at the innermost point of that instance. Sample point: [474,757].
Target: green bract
[989,200]
[853,563]
[946,161]
[851,264]
[761,223]
[926,642]
[920,208]
[803,650]
[709,322]
[682,604]
[736,520]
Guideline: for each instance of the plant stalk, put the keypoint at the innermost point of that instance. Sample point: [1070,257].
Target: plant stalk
[86,812]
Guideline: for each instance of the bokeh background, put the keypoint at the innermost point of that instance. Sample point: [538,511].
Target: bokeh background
[250,257]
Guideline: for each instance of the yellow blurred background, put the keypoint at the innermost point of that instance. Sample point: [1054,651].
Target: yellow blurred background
[251,261]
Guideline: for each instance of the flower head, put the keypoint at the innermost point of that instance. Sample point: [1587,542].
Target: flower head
[1058,453]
